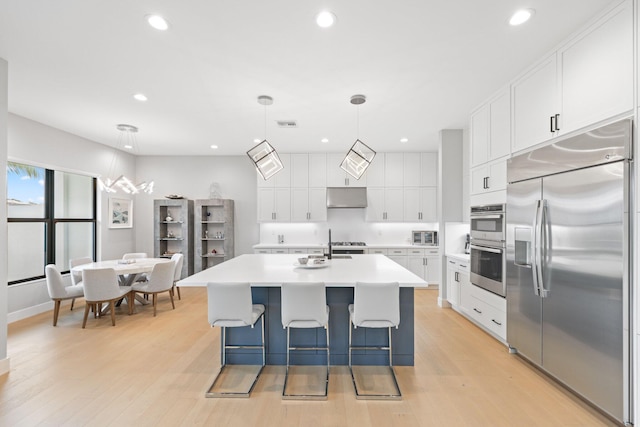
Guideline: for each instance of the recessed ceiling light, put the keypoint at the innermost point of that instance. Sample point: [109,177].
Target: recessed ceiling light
[325,19]
[214,147]
[403,140]
[521,16]
[128,147]
[324,140]
[257,140]
[140,97]
[158,22]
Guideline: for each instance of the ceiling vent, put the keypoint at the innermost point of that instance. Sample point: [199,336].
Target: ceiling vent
[287,123]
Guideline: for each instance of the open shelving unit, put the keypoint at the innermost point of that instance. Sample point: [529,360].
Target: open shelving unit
[213,232]
[173,230]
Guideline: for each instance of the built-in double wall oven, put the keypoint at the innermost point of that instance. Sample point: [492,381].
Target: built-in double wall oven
[488,267]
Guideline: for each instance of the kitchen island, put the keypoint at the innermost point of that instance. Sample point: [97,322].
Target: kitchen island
[267,272]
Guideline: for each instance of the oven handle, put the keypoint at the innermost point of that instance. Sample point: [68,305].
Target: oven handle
[486,216]
[486,249]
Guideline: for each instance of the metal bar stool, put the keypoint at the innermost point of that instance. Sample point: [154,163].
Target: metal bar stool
[375,305]
[304,305]
[230,306]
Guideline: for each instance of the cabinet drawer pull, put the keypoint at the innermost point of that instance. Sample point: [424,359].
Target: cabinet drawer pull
[496,322]
[556,121]
[477,311]
[551,126]
[452,262]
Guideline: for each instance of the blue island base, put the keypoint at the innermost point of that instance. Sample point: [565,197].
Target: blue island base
[338,300]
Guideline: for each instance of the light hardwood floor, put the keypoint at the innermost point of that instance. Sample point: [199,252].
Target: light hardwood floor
[154,371]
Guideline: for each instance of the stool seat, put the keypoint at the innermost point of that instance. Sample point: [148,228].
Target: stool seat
[375,305]
[230,306]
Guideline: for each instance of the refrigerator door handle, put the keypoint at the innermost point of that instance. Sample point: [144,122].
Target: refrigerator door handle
[544,292]
[536,249]
[538,282]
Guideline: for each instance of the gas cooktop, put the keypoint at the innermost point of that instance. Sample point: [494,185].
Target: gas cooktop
[348,244]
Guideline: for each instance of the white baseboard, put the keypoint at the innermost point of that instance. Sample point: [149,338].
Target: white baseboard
[4,366]
[30,311]
[443,303]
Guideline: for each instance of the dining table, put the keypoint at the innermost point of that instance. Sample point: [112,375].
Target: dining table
[127,270]
[267,272]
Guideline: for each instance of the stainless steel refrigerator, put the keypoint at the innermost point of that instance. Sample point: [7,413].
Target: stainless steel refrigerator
[568,252]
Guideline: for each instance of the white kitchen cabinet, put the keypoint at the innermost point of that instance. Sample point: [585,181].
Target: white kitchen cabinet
[491,130]
[308,170]
[420,170]
[597,71]
[479,131]
[378,251]
[299,170]
[587,80]
[337,177]
[386,170]
[280,180]
[308,204]
[486,309]
[489,177]
[274,204]
[425,263]
[536,105]
[420,204]
[457,280]
[398,255]
[317,170]
[393,169]
[385,204]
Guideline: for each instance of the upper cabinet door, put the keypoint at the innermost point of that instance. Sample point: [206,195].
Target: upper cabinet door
[412,169]
[500,126]
[283,178]
[597,71]
[535,105]
[317,170]
[375,171]
[480,136]
[428,170]
[335,175]
[393,174]
[300,170]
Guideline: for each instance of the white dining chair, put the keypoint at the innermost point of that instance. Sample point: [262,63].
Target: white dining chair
[76,278]
[59,291]
[135,255]
[375,305]
[160,280]
[230,305]
[304,305]
[178,260]
[101,286]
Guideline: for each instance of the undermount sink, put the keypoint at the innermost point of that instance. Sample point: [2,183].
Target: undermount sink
[341,256]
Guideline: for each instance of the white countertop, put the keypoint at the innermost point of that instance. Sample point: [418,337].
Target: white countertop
[459,257]
[273,270]
[324,246]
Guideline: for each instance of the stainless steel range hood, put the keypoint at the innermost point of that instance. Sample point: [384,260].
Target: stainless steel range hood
[346,197]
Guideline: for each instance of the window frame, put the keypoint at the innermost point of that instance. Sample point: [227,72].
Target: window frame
[49,220]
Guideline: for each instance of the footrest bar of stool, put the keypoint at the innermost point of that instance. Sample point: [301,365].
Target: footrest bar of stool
[218,388]
[305,396]
[391,391]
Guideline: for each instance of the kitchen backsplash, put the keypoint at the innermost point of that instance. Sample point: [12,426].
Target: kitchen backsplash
[345,225]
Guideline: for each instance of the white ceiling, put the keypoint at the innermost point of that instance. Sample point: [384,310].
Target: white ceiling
[423,65]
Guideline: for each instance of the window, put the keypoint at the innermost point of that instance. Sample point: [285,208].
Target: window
[51,219]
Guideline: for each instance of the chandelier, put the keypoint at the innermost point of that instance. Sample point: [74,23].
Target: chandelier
[114,182]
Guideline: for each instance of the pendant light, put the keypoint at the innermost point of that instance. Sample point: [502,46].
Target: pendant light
[126,142]
[360,155]
[264,156]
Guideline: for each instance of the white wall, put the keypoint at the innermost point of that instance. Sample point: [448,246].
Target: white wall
[192,177]
[37,144]
[4,361]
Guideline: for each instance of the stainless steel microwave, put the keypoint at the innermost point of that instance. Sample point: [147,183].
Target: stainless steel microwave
[424,237]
